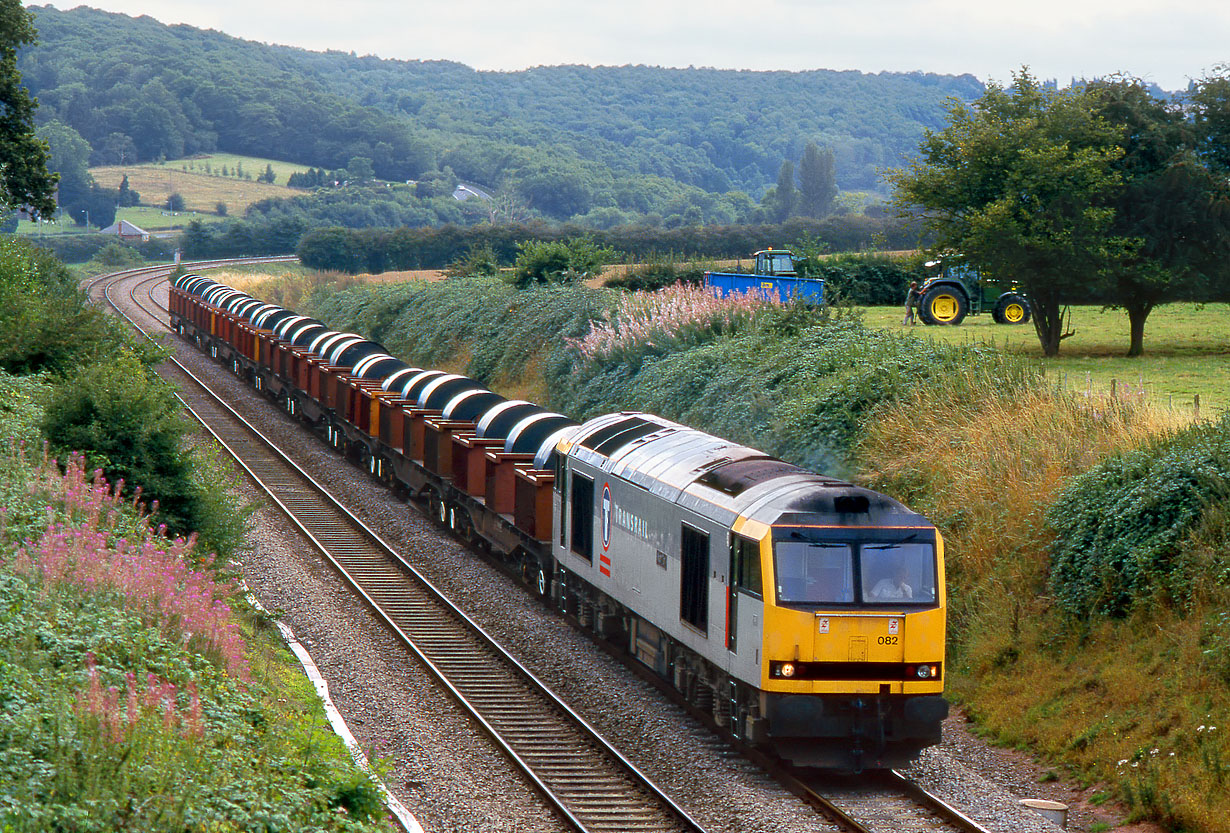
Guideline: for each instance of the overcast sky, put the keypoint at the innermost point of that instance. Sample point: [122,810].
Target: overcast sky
[1061,39]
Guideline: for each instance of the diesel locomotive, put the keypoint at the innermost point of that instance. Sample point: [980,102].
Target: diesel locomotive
[803,613]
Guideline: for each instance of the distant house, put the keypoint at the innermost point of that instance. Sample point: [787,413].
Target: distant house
[125,230]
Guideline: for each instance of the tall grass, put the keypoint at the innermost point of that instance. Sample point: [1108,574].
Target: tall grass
[1128,702]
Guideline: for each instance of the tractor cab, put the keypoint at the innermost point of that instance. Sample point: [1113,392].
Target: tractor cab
[776,263]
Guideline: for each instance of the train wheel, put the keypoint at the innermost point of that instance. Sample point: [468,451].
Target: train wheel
[542,581]
[436,509]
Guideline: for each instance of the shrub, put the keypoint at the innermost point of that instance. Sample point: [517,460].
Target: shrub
[480,260]
[558,261]
[128,423]
[659,272]
[46,322]
[867,280]
[1122,527]
[116,255]
[21,408]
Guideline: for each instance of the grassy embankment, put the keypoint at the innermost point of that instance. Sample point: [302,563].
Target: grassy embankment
[976,438]
[136,695]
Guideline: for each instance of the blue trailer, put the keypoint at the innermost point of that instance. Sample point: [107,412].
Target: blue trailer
[774,272]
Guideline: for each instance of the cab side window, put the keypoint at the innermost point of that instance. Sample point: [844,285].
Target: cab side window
[583,516]
[745,565]
[694,583]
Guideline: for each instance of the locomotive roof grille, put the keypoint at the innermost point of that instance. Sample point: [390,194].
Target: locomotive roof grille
[629,434]
[734,478]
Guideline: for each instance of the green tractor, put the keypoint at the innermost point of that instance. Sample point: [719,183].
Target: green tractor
[956,290]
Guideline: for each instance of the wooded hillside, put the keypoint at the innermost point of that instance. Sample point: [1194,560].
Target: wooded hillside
[611,144]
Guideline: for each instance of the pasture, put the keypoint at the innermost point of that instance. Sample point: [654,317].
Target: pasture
[1187,351]
[201,191]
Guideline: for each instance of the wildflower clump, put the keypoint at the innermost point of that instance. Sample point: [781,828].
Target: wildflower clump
[133,695]
[668,319]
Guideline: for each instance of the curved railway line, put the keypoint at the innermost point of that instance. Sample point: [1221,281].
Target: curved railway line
[583,778]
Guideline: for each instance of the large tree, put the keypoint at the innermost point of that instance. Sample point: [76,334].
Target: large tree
[24,179]
[1018,183]
[1173,209]
[817,181]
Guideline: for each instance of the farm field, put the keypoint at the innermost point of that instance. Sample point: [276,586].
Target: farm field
[144,216]
[1187,351]
[201,191]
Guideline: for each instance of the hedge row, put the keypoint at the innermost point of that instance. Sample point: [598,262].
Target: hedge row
[381,250]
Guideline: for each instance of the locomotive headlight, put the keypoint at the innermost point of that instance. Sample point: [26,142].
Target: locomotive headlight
[926,672]
[786,669]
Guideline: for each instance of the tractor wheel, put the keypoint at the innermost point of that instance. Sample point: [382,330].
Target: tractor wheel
[943,305]
[1012,309]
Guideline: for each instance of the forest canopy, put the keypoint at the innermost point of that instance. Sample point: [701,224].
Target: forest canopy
[597,145]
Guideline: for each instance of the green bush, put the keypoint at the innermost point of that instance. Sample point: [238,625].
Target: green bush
[46,322]
[559,261]
[114,717]
[1121,529]
[868,280]
[127,422]
[797,383]
[659,271]
[21,408]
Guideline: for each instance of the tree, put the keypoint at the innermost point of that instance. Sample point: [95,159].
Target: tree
[782,201]
[175,202]
[359,170]
[69,156]
[117,149]
[1018,183]
[1174,209]
[268,176]
[128,197]
[24,178]
[1210,105]
[817,181]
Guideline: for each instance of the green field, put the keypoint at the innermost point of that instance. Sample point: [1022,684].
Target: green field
[144,216]
[251,165]
[1187,351]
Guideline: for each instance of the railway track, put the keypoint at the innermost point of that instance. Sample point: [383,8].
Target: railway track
[585,780]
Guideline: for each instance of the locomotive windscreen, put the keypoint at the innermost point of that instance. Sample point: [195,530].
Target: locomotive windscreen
[812,571]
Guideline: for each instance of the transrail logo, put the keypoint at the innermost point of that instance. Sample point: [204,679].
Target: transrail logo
[606,516]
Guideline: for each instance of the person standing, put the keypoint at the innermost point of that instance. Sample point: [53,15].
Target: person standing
[911,303]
